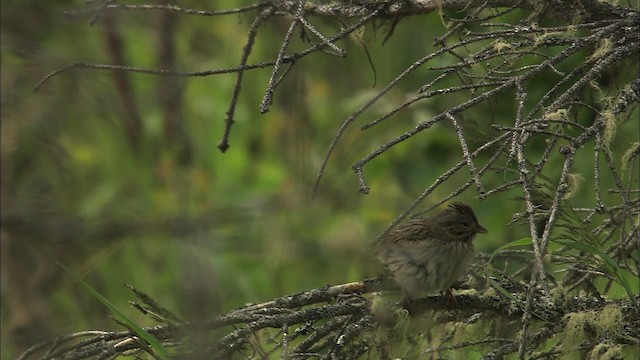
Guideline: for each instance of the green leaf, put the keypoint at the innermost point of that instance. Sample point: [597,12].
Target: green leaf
[157,347]
[520,242]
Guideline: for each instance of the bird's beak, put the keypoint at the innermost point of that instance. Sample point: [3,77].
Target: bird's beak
[482,230]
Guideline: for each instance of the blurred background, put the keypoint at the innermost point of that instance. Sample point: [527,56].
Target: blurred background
[118,177]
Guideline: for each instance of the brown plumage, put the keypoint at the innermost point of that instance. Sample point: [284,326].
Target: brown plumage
[428,254]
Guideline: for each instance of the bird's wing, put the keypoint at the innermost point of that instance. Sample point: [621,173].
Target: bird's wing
[412,230]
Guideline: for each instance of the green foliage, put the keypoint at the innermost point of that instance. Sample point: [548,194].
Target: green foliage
[606,264]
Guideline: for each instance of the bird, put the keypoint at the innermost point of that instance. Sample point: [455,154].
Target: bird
[428,254]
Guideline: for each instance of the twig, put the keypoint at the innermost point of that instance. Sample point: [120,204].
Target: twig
[246,51]
[268,96]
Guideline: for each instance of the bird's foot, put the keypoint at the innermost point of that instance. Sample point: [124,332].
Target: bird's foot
[449,299]
[409,303]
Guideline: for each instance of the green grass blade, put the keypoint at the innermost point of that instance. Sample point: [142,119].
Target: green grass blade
[159,350]
[504,292]
[520,242]
[519,303]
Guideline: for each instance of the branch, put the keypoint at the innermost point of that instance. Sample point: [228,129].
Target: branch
[333,320]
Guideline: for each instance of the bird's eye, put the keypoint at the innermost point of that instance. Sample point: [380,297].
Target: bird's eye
[465,224]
